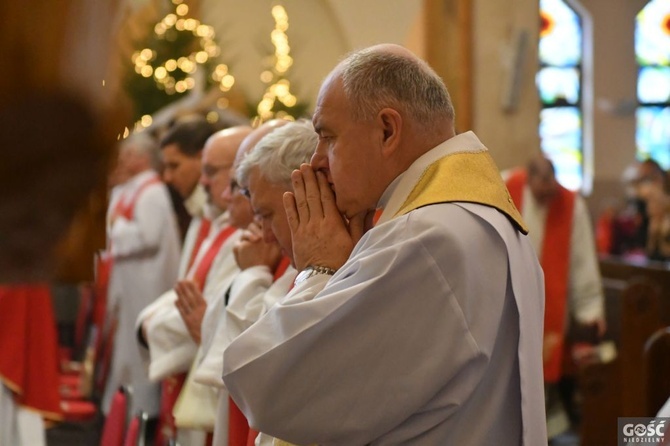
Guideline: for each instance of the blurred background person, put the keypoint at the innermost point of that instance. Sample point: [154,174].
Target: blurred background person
[561,233]
[144,245]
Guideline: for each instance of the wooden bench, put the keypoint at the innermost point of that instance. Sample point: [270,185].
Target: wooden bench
[657,370]
[618,388]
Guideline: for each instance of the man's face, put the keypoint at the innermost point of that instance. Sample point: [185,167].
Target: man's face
[180,170]
[543,186]
[347,151]
[239,207]
[216,164]
[268,208]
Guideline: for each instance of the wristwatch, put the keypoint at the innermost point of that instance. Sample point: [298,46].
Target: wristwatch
[312,270]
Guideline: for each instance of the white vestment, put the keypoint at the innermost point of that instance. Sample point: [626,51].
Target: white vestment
[197,404]
[585,292]
[19,426]
[171,348]
[146,253]
[195,205]
[430,334]
[251,295]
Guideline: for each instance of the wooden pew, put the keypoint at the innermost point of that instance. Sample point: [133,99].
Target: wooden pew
[617,389]
[640,319]
[657,370]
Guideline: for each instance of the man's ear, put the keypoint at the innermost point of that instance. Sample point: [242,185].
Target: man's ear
[391,125]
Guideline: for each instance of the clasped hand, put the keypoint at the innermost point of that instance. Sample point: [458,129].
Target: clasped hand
[252,250]
[191,305]
[321,235]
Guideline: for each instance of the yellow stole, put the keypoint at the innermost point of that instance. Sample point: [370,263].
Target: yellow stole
[470,177]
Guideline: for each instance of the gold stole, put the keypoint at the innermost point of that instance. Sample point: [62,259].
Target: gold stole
[470,177]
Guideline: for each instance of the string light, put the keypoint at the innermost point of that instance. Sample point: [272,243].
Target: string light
[176,75]
[164,74]
[280,87]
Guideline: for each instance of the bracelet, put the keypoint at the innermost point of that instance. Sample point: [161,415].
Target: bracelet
[313,270]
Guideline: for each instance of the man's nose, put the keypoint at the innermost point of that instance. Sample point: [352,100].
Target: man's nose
[319,160]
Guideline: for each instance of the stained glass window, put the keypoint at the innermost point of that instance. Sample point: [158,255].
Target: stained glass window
[652,50]
[559,83]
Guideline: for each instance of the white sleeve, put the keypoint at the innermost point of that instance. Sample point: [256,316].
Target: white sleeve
[208,371]
[586,291]
[250,296]
[171,348]
[246,299]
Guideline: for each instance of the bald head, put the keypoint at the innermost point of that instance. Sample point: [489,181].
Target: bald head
[389,75]
[218,157]
[256,135]
[542,179]
[227,140]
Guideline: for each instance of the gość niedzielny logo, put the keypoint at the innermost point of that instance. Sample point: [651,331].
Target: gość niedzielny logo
[642,431]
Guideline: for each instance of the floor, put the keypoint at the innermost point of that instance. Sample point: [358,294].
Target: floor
[88,434]
[75,434]
[569,438]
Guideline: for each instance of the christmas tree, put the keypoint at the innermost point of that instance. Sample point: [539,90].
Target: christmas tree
[178,55]
[278,101]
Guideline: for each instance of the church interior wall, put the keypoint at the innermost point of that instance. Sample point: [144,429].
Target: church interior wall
[505,104]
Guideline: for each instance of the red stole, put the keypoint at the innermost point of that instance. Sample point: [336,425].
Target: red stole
[29,346]
[125,206]
[239,431]
[203,231]
[282,266]
[555,261]
[376,216]
[199,272]
[171,386]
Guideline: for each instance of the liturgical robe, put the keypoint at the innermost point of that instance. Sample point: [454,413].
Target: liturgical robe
[145,251]
[431,333]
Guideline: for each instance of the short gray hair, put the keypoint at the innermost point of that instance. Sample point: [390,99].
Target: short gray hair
[144,144]
[280,152]
[373,80]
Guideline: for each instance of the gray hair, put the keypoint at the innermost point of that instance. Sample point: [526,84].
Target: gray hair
[143,144]
[280,152]
[373,80]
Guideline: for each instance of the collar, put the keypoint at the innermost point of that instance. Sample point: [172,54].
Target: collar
[195,203]
[391,201]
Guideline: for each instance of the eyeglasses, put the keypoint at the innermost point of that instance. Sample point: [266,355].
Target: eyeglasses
[234,186]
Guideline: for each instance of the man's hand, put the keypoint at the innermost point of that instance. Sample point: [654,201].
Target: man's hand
[191,305]
[251,250]
[321,236]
